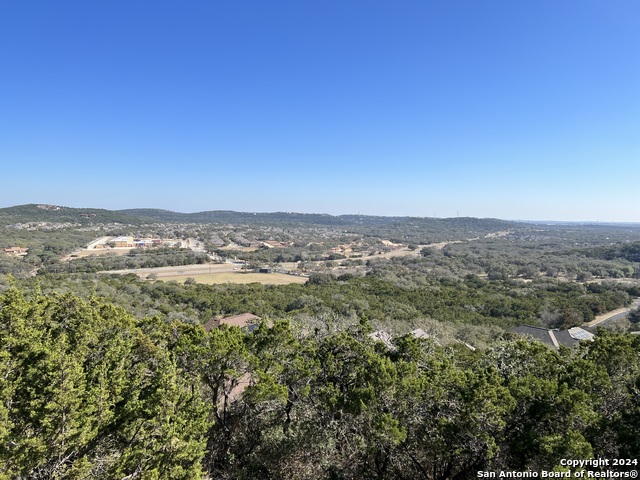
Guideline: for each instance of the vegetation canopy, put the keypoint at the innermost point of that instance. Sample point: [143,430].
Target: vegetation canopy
[395,359]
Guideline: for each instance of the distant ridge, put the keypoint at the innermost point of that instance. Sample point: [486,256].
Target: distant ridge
[231,217]
[141,216]
[588,223]
[56,213]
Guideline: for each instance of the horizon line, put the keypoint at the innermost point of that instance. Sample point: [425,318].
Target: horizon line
[291,212]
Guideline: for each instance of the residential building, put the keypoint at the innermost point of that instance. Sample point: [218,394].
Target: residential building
[553,338]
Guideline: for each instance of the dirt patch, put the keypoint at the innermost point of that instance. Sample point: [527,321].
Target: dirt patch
[234,277]
[102,251]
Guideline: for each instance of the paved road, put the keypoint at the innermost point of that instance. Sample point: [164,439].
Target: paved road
[95,242]
[615,315]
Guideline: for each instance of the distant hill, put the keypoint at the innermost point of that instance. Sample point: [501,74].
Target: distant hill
[397,229]
[140,216]
[433,230]
[231,217]
[59,214]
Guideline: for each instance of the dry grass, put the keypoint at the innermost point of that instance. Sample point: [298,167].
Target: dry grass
[236,277]
[102,251]
[239,248]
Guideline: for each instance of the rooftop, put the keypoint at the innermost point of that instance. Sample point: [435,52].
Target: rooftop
[553,337]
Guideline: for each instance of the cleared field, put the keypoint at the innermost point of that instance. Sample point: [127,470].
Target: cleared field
[234,277]
[102,251]
[235,246]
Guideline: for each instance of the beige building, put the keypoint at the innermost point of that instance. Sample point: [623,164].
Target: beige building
[123,241]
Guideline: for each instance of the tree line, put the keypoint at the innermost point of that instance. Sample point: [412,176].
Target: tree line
[89,391]
[478,308]
[136,258]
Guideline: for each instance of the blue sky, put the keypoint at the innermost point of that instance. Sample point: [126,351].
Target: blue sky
[490,108]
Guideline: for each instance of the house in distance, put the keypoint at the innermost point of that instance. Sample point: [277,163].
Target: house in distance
[553,338]
[247,321]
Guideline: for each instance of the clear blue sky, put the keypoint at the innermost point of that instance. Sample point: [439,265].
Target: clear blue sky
[486,108]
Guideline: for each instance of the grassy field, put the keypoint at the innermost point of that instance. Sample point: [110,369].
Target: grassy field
[228,277]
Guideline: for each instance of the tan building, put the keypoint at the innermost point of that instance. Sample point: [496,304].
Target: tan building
[123,241]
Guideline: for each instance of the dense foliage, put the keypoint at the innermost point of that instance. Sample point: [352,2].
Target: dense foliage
[627,251]
[473,309]
[55,213]
[87,391]
[136,258]
[111,376]
[45,247]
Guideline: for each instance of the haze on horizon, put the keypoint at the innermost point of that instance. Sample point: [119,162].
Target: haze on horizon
[505,110]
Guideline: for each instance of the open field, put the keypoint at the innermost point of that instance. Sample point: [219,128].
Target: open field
[235,277]
[102,251]
[95,252]
[235,246]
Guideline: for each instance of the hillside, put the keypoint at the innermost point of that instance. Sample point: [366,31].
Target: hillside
[112,395]
[381,224]
[59,214]
[231,217]
[54,213]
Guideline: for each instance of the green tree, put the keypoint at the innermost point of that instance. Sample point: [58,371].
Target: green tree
[87,394]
